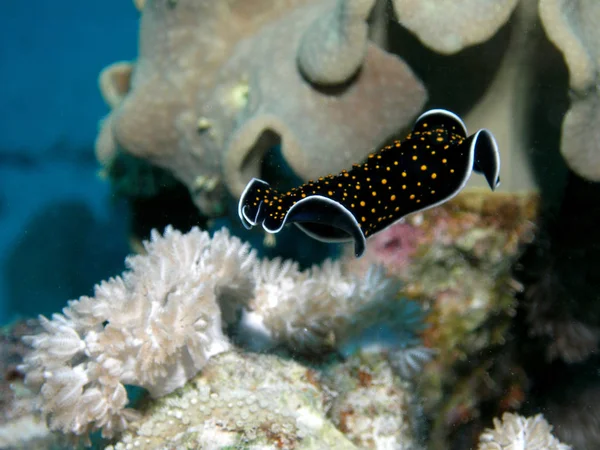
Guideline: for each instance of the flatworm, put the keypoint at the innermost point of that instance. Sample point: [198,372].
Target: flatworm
[429,167]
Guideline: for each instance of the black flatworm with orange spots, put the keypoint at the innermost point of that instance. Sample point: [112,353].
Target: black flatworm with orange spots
[430,166]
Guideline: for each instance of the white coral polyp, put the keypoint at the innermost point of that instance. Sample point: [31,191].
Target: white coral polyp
[158,324]
[312,309]
[154,327]
[277,283]
[518,432]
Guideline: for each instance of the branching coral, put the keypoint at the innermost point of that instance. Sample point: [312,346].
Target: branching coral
[513,431]
[323,307]
[154,327]
[159,323]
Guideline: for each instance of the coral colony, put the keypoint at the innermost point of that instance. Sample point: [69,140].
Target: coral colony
[160,324]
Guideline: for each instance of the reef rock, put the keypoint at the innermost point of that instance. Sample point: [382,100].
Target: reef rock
[264,401]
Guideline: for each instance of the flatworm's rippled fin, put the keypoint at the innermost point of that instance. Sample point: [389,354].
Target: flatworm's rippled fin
[326,220]
[440,118]
[487,157]
[323,232]
[429,167]
[250,206]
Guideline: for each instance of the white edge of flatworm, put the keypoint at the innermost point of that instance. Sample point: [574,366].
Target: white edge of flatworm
[444,112]
[255,221]
[326,200]
[247,224]
[242,215]
[319,238]
[496,155]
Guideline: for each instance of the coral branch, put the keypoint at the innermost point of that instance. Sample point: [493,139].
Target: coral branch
[154,327]
[159,323]
[513,431]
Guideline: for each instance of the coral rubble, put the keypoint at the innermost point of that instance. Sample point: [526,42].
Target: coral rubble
[372,405]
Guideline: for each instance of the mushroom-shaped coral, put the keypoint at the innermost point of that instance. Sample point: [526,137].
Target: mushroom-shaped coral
[572,25]
[139,4]
[217,84]
[320,129]
[574,28]
[448,26]
[334,47]
[115,81]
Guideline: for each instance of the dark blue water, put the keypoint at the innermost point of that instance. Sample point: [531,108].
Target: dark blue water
[59,231]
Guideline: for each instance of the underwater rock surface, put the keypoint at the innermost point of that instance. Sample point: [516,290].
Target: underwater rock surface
[245,400]
[456,262]
[361,390]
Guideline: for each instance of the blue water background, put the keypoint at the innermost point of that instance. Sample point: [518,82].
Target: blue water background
[60,231]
